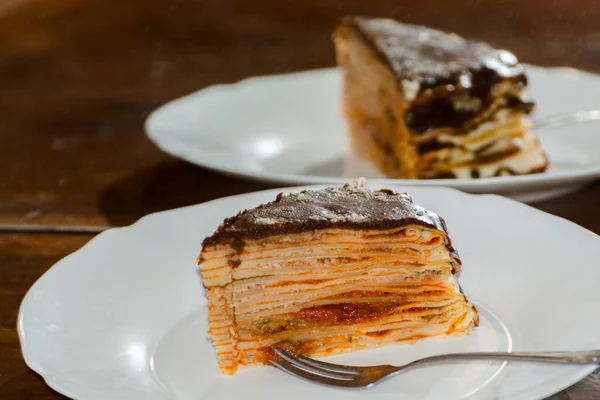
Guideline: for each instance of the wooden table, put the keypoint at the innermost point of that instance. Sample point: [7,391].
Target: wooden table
[78,77]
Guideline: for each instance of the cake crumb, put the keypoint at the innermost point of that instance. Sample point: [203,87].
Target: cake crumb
[407,197]
[333,217]
[410,89]
[360,182]
[265,221]
[354,217]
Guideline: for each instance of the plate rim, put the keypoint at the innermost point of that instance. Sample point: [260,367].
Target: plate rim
[171,145]
[576,376]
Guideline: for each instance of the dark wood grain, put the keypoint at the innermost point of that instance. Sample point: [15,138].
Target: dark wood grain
[78,78]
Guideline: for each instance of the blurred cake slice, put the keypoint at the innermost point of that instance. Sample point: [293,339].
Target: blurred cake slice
[420,103]
[328,271]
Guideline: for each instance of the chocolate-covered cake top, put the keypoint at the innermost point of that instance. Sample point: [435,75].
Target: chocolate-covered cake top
[350,206]
[431,57]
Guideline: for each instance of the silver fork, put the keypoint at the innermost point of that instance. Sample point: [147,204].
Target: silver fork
[350,377]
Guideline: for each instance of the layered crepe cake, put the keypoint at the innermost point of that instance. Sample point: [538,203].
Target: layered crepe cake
[423,104]
[328,271]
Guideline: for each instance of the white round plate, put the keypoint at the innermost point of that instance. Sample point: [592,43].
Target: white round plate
[289,129]
[125,316]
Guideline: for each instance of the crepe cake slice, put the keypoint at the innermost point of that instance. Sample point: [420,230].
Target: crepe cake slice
[421,103]
[327,271]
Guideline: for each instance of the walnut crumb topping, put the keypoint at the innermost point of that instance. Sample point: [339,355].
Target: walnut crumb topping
[265,221]
[354,217]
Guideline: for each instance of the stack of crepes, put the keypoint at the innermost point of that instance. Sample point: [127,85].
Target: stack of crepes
[327,271]
[424,104]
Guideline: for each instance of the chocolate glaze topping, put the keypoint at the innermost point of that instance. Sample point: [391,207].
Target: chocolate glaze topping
[440,112]
[434,58]
[352,206]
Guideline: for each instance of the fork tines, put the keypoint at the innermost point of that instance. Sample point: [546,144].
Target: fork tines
[318,371]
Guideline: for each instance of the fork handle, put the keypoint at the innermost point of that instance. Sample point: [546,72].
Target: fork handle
[574,357]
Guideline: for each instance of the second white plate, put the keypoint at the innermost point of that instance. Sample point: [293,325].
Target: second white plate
[288,129]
